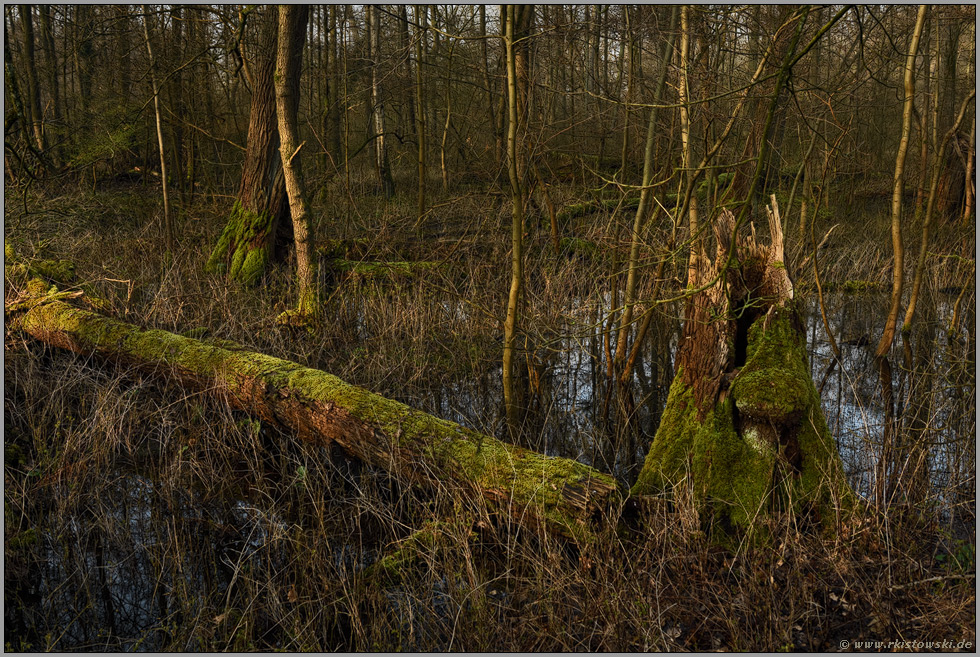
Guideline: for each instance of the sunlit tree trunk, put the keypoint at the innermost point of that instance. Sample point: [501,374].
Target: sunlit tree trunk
[443,165]
[885,480]
[896,209]
[517,223]
[683,92]
[292,31]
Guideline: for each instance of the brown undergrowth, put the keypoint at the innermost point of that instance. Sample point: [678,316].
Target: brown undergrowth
[139,515]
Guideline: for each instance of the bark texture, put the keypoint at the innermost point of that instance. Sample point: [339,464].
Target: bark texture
[292,29]
[536,490]
[259,219]
[743,432]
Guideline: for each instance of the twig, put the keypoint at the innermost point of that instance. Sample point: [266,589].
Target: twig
[939,578]
[295,153]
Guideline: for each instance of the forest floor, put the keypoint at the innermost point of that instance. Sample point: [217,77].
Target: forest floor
[139,515]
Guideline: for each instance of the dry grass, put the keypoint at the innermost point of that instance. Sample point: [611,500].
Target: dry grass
[139,515]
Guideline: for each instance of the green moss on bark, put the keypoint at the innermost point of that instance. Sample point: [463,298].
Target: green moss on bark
[730,475]
[321,408]
[775,382]
[244,249]
[734,457]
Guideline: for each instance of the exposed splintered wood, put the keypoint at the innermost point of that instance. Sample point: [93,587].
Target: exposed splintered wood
[536,490]
[743,429]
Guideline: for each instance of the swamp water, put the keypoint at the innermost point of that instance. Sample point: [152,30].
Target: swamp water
[135,567]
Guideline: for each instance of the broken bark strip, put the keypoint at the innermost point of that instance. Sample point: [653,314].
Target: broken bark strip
[535,489]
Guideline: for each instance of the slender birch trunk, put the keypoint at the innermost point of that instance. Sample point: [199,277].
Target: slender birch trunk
[888,335]
[517,225]
[168,230]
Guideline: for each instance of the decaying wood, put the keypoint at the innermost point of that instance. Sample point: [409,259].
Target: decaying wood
[711,342]
[742,431]
[534,489]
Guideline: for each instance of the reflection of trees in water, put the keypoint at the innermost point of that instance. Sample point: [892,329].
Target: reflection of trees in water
[119,569]
[933,383]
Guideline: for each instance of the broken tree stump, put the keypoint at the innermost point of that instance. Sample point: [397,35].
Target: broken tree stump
[743,432]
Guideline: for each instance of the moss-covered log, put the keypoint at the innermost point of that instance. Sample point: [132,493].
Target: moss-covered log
[318,407]
[383,269]
[743,429]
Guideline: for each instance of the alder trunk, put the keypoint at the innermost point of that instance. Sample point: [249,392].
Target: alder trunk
[259,227]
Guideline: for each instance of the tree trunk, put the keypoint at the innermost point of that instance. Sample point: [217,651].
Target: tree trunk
[33,87]
[292,31]
[168,229]
[684,96]
[445,128]
[949,201]
[888,334]
[13,98]
[517,224]
[535,490]
[937,172]
[259,219]
[743,432]
[420,36]
[378,106]
[970,192]
[51,70]
[409,124]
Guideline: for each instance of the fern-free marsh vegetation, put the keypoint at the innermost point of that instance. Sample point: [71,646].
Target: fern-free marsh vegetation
[145,512]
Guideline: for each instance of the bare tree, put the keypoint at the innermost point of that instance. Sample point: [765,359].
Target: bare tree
[168,229]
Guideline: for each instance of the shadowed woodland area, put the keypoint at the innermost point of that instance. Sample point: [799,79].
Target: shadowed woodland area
[480,327]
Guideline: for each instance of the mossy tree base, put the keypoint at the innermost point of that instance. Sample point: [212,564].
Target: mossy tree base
[245,247]
[743,430]
[534,489]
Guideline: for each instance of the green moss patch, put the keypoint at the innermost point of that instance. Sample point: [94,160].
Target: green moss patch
[775,382]
[735,464]
[244,249]
[369,269]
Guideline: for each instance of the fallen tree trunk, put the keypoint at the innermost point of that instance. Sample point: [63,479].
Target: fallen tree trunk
[319,408]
